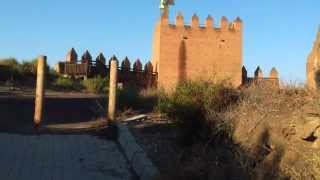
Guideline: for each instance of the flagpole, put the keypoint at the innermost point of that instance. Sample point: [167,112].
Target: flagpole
[164,6]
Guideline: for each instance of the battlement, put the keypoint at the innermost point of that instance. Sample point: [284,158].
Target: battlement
[259,79]
[86,58]
[209,24]
[135,75]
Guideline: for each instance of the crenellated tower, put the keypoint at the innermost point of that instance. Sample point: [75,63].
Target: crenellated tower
[191,51]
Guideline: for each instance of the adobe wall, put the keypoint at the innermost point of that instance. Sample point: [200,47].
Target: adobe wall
[272,81]
[313,65]
[129,75]
[183,52]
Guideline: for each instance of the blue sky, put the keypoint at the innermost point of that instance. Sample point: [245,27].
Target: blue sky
[277,33]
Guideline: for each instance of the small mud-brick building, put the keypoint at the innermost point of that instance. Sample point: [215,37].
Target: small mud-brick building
[313,65]
[182,52]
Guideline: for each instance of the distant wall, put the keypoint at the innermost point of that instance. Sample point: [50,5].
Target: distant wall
[136,75]
[270,81]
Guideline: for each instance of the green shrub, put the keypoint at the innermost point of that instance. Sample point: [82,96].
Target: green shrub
[142,100]
[196,105]
[11,62]
[128,98]
[10,69]
[96,85]
[28,68]
[24,73]
[52,76]
[67,84]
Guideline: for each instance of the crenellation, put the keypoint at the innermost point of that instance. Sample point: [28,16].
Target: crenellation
[86,57]
[125,65]
[72,56]
[101,59]
[237,24]
[274,73]
[137,66]
[164,19]
[179,20]
[148,68]
[258,74]
[238,20]
[209,24]
[244,75]
[113,58]
[224,24]
[195,21]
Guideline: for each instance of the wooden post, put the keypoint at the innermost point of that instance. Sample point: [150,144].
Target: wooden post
[112,88]
[41,68]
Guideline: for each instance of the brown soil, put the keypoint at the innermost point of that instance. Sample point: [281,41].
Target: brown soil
[162,141]
[159,138]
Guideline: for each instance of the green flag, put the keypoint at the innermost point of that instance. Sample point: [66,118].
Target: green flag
[164,6]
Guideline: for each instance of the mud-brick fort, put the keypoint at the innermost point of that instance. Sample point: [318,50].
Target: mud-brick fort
[181,52]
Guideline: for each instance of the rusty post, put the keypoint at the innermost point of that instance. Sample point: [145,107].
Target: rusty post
[112,89]
[41,65]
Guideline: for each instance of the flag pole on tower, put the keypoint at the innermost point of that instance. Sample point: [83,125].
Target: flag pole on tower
[164,6]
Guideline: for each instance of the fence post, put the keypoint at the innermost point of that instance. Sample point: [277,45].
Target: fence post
[41,68]
[112,88]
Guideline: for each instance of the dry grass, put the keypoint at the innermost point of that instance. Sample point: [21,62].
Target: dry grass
[268,124]
[260,126]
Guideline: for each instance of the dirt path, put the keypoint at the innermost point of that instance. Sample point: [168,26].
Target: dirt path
[61,157]
[28,154]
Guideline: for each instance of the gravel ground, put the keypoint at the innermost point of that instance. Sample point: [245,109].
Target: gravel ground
[162,141]
[158,137]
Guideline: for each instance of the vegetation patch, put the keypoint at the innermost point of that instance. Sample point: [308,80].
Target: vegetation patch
[96,85]
[135,99]
[66,84]
[197,107]
[254,133]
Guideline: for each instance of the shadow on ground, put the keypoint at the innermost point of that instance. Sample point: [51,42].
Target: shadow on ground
[220,159]
[16,113]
